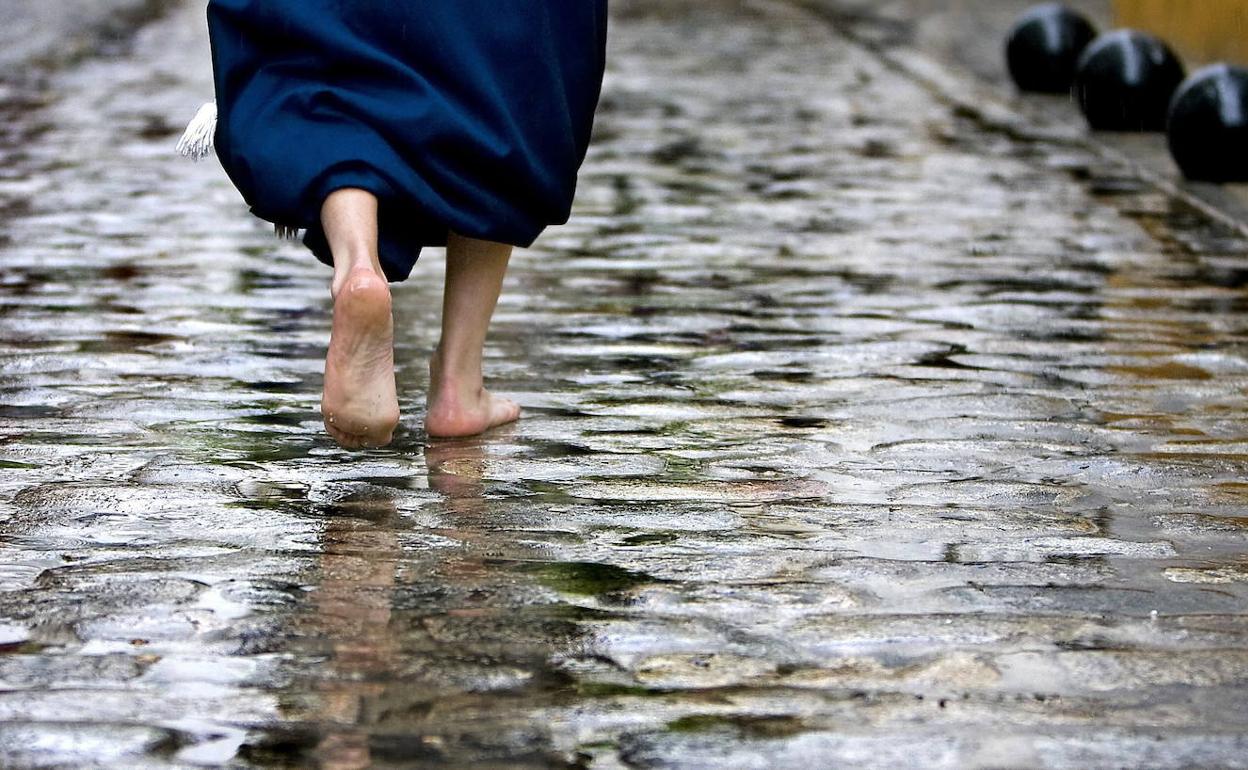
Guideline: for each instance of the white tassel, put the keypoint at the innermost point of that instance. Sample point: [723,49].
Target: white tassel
[286,231]
[196,141]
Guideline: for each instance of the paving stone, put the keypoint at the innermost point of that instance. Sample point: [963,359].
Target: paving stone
[867,423]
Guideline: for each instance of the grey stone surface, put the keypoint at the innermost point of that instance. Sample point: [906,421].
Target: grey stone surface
[38,33]
[865,426]
[968,36]
[967,33]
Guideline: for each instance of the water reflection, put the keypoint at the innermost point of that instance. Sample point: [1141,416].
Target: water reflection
[423,644]
[456,468]
[354,605]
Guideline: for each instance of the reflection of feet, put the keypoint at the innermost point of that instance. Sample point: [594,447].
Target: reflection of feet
[456,468]
[463,408]
[360,406]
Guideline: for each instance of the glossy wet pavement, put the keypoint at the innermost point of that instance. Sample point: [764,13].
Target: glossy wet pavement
[858,431]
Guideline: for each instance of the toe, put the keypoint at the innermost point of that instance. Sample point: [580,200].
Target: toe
[344,439]
[505,411]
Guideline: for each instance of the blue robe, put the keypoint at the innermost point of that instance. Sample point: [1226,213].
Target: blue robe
[470,116]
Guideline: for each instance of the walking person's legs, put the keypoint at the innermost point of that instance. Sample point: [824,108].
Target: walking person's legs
[459,404]
[359,404]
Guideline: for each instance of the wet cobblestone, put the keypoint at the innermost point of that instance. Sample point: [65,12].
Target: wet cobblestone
[859,431]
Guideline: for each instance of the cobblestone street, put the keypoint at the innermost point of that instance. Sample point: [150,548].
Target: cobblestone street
[863,428]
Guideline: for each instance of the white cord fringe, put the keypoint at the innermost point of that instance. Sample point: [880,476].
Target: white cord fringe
[196,141]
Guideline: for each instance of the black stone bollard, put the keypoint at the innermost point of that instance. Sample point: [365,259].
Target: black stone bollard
[1125,80]
[1208,125]
[1044,46]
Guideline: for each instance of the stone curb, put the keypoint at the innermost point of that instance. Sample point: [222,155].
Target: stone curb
[954,51]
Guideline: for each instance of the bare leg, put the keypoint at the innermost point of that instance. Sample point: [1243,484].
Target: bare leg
[459,404]
[359,404]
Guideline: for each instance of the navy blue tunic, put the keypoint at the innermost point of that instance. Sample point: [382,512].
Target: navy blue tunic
[469,116]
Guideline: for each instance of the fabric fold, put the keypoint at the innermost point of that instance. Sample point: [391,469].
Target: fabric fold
[470,116]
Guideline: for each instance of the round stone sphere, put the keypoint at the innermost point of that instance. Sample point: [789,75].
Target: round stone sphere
[1208,125]
[1044,46]
[1124,81]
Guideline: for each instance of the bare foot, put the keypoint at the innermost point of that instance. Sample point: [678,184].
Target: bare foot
[360,406]
[463,407]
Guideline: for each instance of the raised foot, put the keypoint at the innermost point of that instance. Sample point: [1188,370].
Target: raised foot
[360,405]
[452,414]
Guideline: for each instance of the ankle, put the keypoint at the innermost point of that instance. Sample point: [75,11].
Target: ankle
[356,273]
[454,377]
